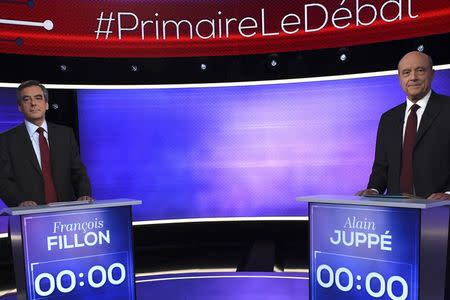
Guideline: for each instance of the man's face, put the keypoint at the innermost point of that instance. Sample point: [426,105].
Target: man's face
[33,105]
[416,74]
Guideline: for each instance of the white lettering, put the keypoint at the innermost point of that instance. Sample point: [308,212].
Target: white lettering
[338,240]
[51,241]
[76,240]
[253,25]
[263,24]
[410,10]
[212,34]
[119,23]
[295,22]
[398,6]
[324,9]
[358,11]
[347,14]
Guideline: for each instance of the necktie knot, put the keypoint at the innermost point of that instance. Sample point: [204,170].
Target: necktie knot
[40,130]
[414,108]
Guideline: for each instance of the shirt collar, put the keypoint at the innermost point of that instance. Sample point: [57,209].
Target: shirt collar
[31,128]
[421,102]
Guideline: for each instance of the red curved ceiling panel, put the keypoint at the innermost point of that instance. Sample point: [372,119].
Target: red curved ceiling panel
[173,28]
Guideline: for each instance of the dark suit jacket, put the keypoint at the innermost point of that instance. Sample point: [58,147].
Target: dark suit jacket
[21,177]
[431,157]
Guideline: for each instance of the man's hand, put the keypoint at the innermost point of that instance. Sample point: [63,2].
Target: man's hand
[439,196]
[82,198]
[366,192]
[28,203]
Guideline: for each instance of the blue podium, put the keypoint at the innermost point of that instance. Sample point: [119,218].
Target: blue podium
[377,247]
[73,250]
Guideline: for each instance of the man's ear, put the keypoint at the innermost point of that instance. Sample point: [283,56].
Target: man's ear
[46,105]
[19,108]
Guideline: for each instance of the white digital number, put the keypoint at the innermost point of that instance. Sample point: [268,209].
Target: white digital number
[104,276]
[102,279]
[380,280]
[404,284]
[330,274]
[338,279]
[73,281]
[122,273]
[37,284]
[383,287]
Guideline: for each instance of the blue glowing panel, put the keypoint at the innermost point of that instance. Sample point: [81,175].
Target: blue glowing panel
[9,113]
[84,254]
[9,117]
[234,151]
[221,286]
[361,252]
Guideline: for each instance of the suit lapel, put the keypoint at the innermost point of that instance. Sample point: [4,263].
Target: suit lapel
[28,149]
[53,146]
[429,115]
[398,131]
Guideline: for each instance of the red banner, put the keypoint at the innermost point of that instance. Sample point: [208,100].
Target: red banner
[171,28]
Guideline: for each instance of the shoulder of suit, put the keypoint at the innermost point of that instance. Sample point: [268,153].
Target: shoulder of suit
[440,103]
[57,127]
[441,98]
[395,111]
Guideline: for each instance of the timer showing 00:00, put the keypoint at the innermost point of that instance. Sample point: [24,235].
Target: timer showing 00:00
[335,278]
[105,275]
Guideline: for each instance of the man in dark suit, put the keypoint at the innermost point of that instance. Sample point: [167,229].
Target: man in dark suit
[40,161]
[428,167]
[424,171]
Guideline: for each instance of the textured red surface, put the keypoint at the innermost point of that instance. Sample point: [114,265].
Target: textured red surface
[75,26]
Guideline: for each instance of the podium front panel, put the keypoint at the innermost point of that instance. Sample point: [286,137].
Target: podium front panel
[83,254]
[361,252]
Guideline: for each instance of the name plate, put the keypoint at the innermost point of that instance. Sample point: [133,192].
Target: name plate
[361,252]
[82,254]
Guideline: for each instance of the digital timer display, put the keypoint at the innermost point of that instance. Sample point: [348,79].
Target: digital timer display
[83,254]
[345,274]
[84,275]
[67,285]
[360,252]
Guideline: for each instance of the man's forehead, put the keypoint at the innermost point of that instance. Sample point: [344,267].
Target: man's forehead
[32,91]
[414,61]
[414,65]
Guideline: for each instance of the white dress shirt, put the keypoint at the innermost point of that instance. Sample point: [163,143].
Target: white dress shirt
[422,103]
[34,137]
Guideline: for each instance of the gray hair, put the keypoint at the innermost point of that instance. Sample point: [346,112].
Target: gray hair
[27,84]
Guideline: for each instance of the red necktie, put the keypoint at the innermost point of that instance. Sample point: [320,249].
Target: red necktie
[50,192]
[407,175]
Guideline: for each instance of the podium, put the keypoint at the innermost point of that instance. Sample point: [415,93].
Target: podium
[73,250]
[377,247]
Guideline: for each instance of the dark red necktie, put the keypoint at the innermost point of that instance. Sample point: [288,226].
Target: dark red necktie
[50,192]
[407,175]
